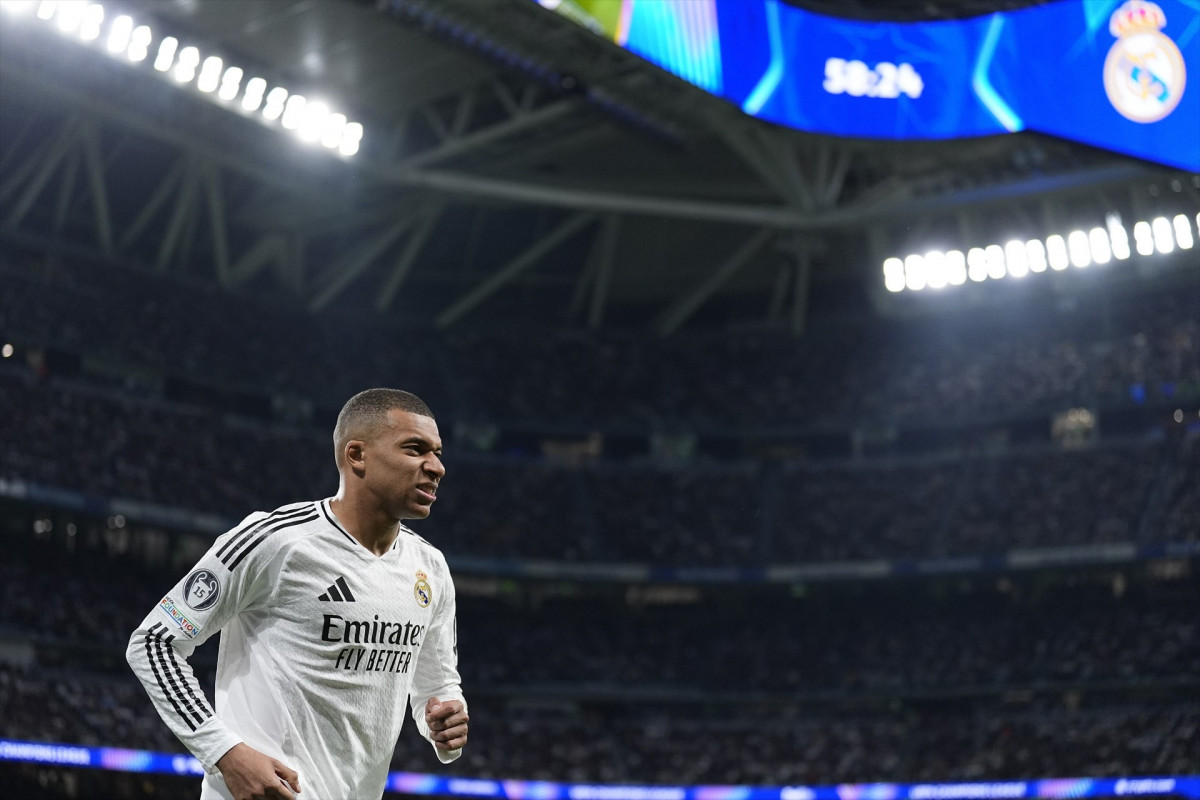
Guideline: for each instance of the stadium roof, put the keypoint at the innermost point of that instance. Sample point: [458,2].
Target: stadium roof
[514,166]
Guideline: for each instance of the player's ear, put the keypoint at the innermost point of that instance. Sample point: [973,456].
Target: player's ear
[354,455]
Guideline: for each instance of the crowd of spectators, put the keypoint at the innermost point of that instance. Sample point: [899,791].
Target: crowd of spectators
[1001,364]
[109,444]
[761,749]
[1182,523]
[103,443]
[896,638]
[1067,498]
[750,744]
[195,331]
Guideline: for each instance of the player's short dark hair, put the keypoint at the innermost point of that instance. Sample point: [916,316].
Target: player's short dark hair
[366,412]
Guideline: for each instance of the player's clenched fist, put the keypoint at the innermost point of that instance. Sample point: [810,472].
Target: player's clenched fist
[447,723]
[251,775]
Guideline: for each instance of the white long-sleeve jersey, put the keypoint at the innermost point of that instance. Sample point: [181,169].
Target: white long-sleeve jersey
[322,644]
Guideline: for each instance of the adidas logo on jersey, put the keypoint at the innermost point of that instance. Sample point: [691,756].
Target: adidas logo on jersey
[339,591]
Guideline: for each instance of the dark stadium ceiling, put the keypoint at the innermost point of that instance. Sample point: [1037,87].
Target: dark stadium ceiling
[514,166]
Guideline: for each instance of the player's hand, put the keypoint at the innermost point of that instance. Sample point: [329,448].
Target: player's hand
[251,775]
[447,723]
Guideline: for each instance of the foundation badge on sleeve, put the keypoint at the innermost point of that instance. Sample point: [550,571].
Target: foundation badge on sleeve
[422,591]
[1144,73]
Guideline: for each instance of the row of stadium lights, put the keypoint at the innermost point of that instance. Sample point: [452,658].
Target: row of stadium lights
[1016,259]
[311,121]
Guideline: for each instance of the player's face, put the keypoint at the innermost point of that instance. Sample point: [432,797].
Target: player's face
[404,465]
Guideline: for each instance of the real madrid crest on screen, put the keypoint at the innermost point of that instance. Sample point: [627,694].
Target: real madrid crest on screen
[422,591]
[201,589]
[1144,73]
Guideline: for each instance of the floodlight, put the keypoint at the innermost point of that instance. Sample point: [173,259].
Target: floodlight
[1056,252]
[210,74]
[1015,259]
[89,27]
[956,268]
[1080,250]
[914,272]
[1144,238]
[995,261]
[276,98]
[1118,236]
[1098,241]
[185,67]
[139,44]
[166,54]
[293,112]
[351,136]
[119,33]
[1183,232]
[977,264]
[935,269]
[253,97]
[335,124]
[893,274]
[69,15]
[1162,235]
[230,82]
[1035,254]
[312,122]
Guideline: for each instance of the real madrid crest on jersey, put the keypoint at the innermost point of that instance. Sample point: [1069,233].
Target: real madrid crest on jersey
[1144,74]
[422,591]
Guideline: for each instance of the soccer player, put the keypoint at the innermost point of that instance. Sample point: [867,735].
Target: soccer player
[333,615]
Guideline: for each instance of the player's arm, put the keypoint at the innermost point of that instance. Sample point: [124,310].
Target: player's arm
[438,706]
[222,583]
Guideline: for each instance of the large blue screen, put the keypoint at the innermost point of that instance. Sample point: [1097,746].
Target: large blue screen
[1105,72]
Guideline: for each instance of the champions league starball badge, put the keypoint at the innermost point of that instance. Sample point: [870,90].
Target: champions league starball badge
[1144,73]
[422,591]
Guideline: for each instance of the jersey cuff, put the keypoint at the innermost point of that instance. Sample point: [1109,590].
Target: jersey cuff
[211,741]
[446,756]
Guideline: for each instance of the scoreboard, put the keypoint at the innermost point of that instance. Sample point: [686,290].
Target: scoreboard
[1103,72]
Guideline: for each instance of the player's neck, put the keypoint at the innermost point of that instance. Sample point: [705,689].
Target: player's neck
[375,531]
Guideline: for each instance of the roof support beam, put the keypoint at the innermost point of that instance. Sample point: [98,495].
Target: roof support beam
[66,190]
[803,272]
[216,220]
[465,144]
[162,194]
[44,170]
[586,200]
[679,312]
[412,247]
[774,216]
[349,269]
[788,165]
[93,163]
[604,265]
[269,246]
[740,139]
[14,148]
[779,293]
[184,209]
[513,268]
[37,160]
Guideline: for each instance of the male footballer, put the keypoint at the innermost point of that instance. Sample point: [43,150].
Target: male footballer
[333,615]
